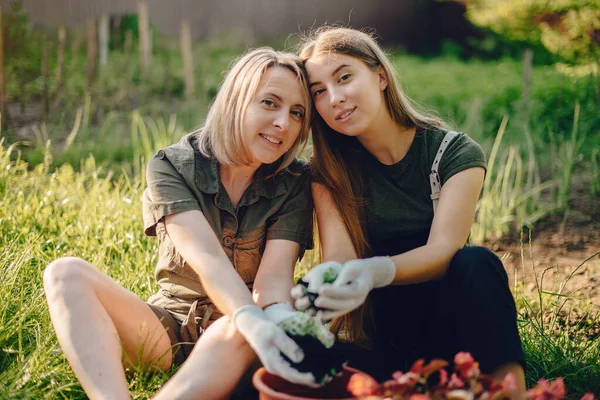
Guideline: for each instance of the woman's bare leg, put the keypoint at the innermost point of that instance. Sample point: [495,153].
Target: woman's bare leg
[214,368]
[99,324]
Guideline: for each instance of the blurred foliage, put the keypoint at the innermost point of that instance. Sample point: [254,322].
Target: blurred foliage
[567,28]
[22,54]
[490,45]
[474,94]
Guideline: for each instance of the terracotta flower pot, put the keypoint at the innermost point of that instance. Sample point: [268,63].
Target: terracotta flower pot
[272,387]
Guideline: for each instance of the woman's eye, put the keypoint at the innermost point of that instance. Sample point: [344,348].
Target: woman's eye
[298,113]
[345,77]
[268,102]
[318,92]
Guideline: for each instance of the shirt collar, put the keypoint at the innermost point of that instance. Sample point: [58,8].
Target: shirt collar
[264,184]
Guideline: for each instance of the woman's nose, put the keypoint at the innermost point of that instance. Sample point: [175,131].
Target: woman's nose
[335,97]
[282,120]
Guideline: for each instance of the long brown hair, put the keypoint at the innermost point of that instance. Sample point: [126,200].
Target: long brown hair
[334,162]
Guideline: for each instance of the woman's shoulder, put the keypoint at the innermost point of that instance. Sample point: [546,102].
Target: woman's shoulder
[461,142]
[288,180]
[297,167]
[461,153]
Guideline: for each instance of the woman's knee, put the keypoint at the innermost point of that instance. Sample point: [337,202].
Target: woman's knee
[223,329]
[64,273]
[476,263]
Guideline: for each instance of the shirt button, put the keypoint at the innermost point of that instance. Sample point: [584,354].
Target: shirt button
[228,241]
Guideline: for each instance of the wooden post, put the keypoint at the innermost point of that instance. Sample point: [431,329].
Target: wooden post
[527,67]
[103,39]
[45,77]
[188,63]
[75,41]
[128,44]
[60,60]
[144,31]
[92,51]
[3,108]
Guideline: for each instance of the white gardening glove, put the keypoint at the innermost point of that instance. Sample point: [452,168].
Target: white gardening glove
[299,324]
[305,293]
[268,340]
[352,285]
[320,362]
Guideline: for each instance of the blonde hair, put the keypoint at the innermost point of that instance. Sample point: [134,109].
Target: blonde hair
[221,135]
[333,164]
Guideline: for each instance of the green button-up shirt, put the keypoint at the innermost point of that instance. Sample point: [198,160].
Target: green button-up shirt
[180,178]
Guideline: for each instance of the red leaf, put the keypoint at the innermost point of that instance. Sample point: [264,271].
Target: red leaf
[433,366]
[419,396]
[537,392]
[545,390]
[455,382]
[466,365]
[409,379]
[443,378]
[459,395]
[557,388]
[463,358]
[362,385]
[391,388]
[417,366]
[397,375]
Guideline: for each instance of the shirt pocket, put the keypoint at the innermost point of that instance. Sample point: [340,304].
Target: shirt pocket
[248,253]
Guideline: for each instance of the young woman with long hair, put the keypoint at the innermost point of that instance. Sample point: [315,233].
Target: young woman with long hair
[408,286]
[232,208]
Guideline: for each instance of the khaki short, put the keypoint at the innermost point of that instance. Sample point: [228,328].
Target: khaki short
[180,348]
[184,320]
[175,325]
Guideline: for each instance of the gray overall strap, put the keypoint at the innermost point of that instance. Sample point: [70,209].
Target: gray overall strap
[434,177]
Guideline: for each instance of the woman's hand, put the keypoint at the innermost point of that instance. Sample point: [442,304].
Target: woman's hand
[299,324]
[356,278]
[322,362]
[269,341]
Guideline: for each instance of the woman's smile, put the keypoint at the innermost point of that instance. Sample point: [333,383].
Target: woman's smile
[344,116]
[270,139]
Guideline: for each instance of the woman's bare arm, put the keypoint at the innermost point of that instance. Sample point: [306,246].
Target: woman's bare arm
[449,231]
[195,240]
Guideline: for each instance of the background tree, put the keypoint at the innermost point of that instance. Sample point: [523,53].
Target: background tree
[568,28]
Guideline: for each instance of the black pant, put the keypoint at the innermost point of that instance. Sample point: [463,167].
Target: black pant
[470,309]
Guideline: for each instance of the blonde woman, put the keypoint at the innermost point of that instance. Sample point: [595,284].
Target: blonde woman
[232,208]
[406,281]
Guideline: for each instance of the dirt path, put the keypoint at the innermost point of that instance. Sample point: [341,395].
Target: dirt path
[555,253]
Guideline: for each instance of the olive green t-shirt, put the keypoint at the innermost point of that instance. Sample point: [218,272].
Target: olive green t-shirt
[399,209]
[179,178]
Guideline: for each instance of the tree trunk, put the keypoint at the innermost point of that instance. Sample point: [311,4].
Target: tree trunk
[103,39]
[45,77]
[3,108]
[60,59]
[92,51]
[75,43]
[144,31]
[188,63]
[127,49]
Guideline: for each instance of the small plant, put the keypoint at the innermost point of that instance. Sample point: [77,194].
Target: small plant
[432,382]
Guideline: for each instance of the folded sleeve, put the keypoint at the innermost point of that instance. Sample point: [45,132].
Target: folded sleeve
[166,193]
[463,153]
[294,219]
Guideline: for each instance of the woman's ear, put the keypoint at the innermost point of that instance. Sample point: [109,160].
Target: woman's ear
[383,78]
